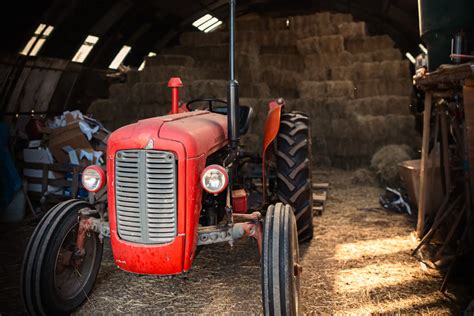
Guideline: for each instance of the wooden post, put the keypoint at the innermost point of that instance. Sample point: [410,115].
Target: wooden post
[75,181]
[420,226]
[445,151]
[44,182]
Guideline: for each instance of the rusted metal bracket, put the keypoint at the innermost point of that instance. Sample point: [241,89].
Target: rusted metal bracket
[251,228]
[89,224]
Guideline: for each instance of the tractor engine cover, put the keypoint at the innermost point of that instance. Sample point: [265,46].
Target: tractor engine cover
[153,170]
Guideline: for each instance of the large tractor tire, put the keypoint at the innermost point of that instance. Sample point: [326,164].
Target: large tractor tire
[53,280]
[280,262]
[293,161]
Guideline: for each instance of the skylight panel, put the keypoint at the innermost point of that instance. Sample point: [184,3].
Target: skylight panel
[28,46]
[48,30]
[201,20]
[120,57]
[410,58]
[142,66]
[207,23]
[213,27]
[85,49]
[41,34]
[40,29]
[37,46]
[423,48]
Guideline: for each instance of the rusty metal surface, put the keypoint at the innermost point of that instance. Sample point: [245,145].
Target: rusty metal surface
[446,76]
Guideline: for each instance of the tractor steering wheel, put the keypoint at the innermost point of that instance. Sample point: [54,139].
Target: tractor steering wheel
[210,101]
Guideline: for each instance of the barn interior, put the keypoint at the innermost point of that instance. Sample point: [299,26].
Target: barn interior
[388,87]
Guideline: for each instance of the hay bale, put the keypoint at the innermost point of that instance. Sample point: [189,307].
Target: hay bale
[215,53]
[385,129]
[155,92]
[120,91]
[363,176]
[380,105]
[316,109]
[369,44]
[322,61]
[248,68]
[339,18]
[278,23]
[316,74]
[373,87]
[282,83]
[353,30]
[198,38]
[251,22]
[344,147]
[342,128]
[385,162]
[320,151]
[249,90]
[387,70]
[337,107]
[133,76]
[314,24]
[112,113]
[153,73]
[321,45]
[170,60]
[201,73]
[378,55]
[209,89]
[326,89]
[266,38]
[278,50]
[100,109]
[398,105]
[144,111]
[287,62]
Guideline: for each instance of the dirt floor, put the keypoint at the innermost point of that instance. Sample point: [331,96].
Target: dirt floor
[358,263]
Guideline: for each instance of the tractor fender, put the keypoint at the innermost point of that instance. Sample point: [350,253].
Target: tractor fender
[272,125]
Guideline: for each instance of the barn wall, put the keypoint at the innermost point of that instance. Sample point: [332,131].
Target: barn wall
[46,85]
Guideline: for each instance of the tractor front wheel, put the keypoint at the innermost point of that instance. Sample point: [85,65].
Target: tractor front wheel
[280,262]
[56,277]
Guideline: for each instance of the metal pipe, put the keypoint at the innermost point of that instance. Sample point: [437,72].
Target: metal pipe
[232,4]
[233,86]
[175,83]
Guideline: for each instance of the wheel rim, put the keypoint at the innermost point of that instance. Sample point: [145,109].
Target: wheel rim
[70,274]
[296,269]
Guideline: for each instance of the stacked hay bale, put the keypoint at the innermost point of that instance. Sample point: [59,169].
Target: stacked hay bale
[354,87]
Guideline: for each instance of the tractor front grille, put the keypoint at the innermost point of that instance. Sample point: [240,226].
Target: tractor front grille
[146,195]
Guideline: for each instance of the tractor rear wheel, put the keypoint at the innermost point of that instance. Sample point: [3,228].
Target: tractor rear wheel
[55,280]
[280,262]
[293,161]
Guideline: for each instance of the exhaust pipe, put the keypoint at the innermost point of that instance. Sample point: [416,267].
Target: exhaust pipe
[232,86]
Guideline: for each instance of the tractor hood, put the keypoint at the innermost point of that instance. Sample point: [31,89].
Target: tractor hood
[200,132]
[192,137]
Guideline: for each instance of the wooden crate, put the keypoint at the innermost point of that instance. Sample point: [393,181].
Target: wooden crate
[52,198]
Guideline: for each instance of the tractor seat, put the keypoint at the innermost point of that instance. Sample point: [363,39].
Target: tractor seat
[246,115]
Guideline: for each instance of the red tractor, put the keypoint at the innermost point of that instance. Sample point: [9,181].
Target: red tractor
[174,183]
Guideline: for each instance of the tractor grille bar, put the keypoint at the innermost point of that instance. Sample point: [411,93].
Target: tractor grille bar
[145,196]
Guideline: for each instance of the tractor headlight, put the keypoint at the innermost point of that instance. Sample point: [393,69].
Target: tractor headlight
[214,179]
[93,178]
